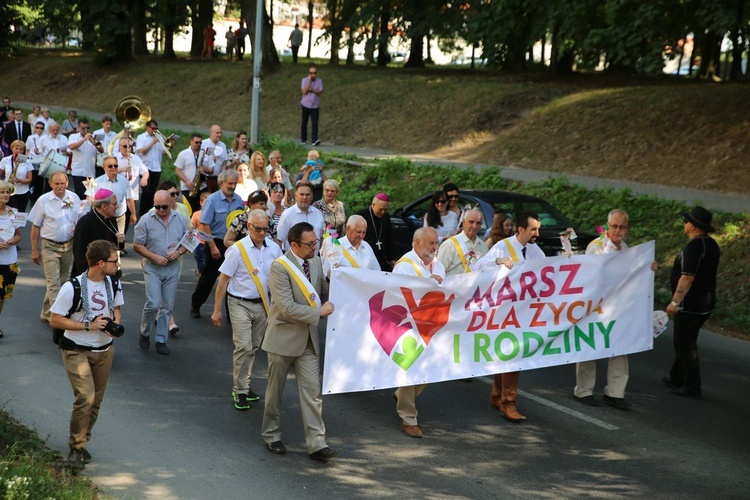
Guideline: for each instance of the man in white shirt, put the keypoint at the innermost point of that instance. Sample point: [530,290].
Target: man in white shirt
[216,157]
[151,150]
[118,184]
[185,167]
[54,218]
[132,167]
[84,152]
[302,211]
[460,252]
[421,262]
[244,277]
[105,135]
[34,152]
[356,252]
[506,252]
[54,141]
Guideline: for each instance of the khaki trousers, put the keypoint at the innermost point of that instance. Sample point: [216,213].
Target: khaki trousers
[504,389]
[57,259]
[307,370]
[248,327]
[406,402]
[617,377]
[88,373]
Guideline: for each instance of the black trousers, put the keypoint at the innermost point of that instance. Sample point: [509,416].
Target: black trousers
[195,202]
[78,187]
[309,114]
[147,195]
[295,53]
[208,276]
[686,371]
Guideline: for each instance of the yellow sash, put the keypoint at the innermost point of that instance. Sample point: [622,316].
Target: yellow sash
[312,299]
[460,252]
[412,263]
[511,250]
[349,258]
[254,275]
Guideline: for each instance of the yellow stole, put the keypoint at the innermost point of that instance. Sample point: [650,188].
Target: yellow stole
[254,275]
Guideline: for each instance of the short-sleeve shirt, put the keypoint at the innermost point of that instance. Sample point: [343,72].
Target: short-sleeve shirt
[241,284]
[152,158]
[215,210]
[700,259]
[311,100]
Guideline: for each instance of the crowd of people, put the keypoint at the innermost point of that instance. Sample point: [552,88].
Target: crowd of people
[270,236]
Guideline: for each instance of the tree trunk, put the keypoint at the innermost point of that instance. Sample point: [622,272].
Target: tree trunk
[335,28]
[309,27]
[205,11]
[88,25]
[169,43]
[416,57]
[138,28]
[429,49]
[385,16]
[350,48]
[737,34]
[270,58]
[544,48]
[693,54]
[554,52]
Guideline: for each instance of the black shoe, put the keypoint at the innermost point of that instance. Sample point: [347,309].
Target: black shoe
[240,401]
[195,313]
[162,348]
[76,460]
[144,342]
[587,400]
[618,403]
[685,392]
[316,143]
[251,396]
[277,447]
[324,455]
[86,457]
[669,383]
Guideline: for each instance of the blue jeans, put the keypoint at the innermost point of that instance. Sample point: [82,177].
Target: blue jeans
[200,257]
[161,288]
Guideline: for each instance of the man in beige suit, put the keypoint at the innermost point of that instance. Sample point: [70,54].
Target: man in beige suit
[297,285]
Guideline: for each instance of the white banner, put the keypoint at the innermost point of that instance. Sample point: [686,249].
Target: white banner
[392,330]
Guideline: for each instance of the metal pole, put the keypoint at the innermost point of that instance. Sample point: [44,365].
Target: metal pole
[257,59]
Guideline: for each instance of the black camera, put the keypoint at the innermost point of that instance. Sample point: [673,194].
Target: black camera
[114,329]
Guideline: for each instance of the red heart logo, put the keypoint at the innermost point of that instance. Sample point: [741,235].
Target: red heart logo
[430,314]
[387,324]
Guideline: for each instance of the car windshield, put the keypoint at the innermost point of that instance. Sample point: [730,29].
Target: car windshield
[549,216]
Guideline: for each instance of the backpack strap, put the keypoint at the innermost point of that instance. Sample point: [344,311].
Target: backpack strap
[76,306]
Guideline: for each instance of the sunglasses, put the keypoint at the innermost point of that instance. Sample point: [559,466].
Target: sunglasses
[452,196]
[161,207]
[39,128]
[260,229]
[441,202]
[111,166]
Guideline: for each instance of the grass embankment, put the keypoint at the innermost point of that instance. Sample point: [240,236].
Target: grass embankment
[30,470]
[666,131]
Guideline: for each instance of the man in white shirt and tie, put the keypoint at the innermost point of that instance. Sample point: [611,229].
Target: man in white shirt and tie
[506,252]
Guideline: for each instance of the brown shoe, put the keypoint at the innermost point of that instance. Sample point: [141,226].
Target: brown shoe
[412,430]
[510,412]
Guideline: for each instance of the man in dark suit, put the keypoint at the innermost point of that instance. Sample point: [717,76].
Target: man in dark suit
[17,129]
[297,285]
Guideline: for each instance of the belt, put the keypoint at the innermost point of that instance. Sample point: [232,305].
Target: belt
[254,301]
[68,345]
[57,242]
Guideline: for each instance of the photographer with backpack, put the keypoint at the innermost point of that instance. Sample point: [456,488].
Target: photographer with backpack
[86,344]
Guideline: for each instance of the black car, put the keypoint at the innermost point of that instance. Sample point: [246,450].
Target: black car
[406,220]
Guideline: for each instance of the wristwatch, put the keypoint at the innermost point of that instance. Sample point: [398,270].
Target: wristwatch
[86,325]
[674,304]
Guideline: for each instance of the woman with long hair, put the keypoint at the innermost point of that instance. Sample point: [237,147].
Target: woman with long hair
[258,170]
[439,217]
[502,227]
[245,185]
[332,208]
[240,152]
[276,205]
[9,238]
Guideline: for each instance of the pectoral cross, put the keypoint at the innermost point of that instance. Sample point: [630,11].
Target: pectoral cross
[379,245]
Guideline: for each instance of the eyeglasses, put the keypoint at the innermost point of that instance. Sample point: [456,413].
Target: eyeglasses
[313,72]
[38,128]
[161,207]
[452,196]
[173,193]
[197,142]
[310,245]
[441,202]
[261,229]
[111,261]
[111,166]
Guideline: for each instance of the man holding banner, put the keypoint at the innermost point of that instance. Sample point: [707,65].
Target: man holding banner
[506,252]
[297,285]
[420,262]
[459,253]
[617,367]
[355,252]
[244,277]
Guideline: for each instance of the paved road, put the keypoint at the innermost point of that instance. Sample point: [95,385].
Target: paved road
[168,428]
[728,202]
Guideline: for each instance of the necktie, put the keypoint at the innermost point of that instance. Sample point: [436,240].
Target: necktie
[19,130]
[523,252]
[306,269]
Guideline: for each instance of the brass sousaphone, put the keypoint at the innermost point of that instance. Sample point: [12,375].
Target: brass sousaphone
[133,113]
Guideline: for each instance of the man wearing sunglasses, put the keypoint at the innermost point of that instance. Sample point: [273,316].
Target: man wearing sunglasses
[151,150]
[244,277]
[312,89]
[157,238]
[83,164]
[118,184]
